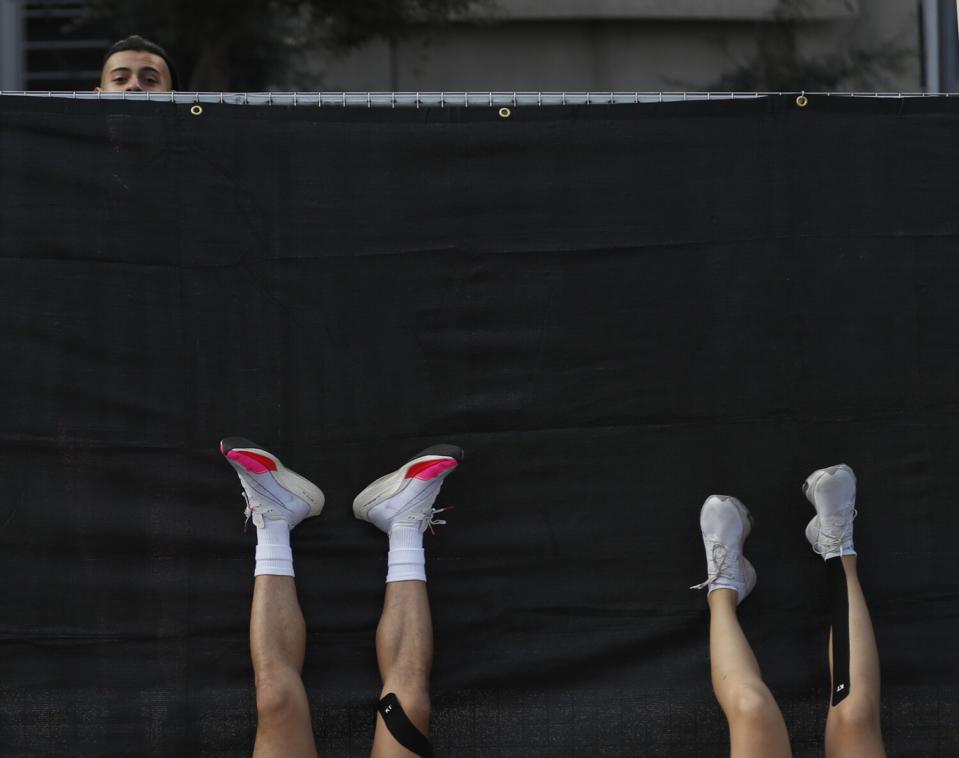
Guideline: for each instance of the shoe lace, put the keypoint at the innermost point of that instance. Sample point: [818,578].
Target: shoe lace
[831,538]
[719,561]
[250,510]
[429,517]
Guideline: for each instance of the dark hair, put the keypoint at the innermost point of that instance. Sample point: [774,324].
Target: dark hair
[140,44]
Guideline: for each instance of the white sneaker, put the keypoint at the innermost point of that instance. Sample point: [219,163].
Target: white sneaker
[271,490]
[407,494]
[726,523]
[832,491]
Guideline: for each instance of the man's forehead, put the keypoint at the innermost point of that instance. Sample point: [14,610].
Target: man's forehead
[136,59]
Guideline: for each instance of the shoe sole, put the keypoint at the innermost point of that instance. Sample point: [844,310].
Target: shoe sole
[419,471]
[809,490]
[267,474]
[744,514]
[750,571]
[809,486]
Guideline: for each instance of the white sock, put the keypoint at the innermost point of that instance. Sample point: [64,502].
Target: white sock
[406,559]
[273,553]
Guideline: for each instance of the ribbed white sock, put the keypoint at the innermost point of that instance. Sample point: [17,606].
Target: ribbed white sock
[273,553]
[406,559]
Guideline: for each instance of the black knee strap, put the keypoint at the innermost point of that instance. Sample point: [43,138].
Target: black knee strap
[839,613]
[402,728]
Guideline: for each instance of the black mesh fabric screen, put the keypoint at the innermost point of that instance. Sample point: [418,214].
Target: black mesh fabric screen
[615,310]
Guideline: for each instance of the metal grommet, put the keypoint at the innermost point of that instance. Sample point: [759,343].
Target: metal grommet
[802,101]
[196,110]
[505,112]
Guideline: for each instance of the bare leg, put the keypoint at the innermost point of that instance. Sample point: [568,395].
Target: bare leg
[404,651]
[756,726]
[852,727]
[278,646]
[401,505]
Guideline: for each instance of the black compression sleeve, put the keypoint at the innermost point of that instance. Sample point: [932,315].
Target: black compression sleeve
[402,728]
[839,614]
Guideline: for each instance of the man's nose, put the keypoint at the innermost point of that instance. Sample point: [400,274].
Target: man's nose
[133,86]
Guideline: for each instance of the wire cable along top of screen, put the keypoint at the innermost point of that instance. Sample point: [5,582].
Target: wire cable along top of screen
[442,99]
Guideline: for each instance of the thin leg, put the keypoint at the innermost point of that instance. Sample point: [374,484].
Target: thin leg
[404,651]
[278,646]
[756,726]
[852,727]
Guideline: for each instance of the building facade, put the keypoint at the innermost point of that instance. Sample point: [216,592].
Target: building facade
[658,45]
[573,45]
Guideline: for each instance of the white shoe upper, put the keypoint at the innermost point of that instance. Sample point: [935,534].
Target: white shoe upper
[406,496]
[725,524]
[413,505]
[274,494]
[832,492]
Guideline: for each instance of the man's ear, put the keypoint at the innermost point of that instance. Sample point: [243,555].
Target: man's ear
[97,89]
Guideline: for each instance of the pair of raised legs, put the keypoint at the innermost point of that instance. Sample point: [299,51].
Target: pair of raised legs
[401,505]
[756,725]
[404,652]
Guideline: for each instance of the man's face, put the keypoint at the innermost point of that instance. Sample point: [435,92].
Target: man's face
[135,71]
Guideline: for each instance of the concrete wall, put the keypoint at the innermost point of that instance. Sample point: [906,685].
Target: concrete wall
[11,45]
[685,10]
[542,45]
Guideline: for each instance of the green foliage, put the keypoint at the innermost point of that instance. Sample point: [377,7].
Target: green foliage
[234,46]
[778,68]
[777,65]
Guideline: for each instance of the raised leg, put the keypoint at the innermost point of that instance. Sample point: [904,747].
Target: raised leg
[404,651]
[401,505]
[277,647]
[756,726]
[852,727]
[277,499]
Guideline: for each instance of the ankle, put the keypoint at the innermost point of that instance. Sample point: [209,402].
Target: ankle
[722,598]
[274,557]
[849,563]
[406,559]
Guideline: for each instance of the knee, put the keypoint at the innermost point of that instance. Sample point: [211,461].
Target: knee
[752,703]
[410,676]
[277,696]
[859,715]
[415,702]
